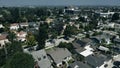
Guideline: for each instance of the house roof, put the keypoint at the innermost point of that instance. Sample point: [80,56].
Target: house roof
[42,59]
[88,51]
[96,60]
[98,37]
[117,40]
[78,47]
[24,23]
[33,24]
[84,42]
[21,32]
[59,54]
[14,24]
[1,26]
[3,36]
[79,65]
[109,32]
[81,43]
[103,48]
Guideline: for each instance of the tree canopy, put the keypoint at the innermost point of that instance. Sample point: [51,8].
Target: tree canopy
[2,57]
[42,35]
[11,36]
[8,51]
[70,30]
[69,46]
[13,47]
[20,60]
[115,16]
[31,40]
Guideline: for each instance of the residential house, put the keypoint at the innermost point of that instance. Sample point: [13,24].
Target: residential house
[96,60]
[102,48]
[100,38]
[3,40]
[59,40]
[112,25]
[116,47]
[110,34]
[117,27]
[55,42]
[78,64]
[78,47]
[49,43]
[49,20]
[14,26]
[33,25]
[105,14]
[58,55]
[75,17]
[83,42]
[112,63]
[92,58]
[84,51]
[1,26]
[88,51]
[21,35]
[117,40]
[24,25]
[41,59]
[83,47]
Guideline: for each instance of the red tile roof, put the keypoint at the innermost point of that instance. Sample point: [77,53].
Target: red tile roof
[4,36]
[14,24]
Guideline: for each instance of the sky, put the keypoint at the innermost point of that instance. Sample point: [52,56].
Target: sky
[58,2]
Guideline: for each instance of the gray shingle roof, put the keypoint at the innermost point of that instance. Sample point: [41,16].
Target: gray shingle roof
[117,40]
[96,60]
[79,64]
[59,54]
[42,59]
[78,47]
[84,42]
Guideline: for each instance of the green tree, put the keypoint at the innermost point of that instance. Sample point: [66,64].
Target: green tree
[70,30]
[31,40]
[87,36]
[79,57]
[15,12]
[1,30]
[11,36]
[8,51]
[2,57]
[42,35]
[82,19]
[69,46]
[20,60]
[13,47]
[115,16]
[6,25]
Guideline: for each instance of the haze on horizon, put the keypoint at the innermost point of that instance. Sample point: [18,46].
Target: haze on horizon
[58,2]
